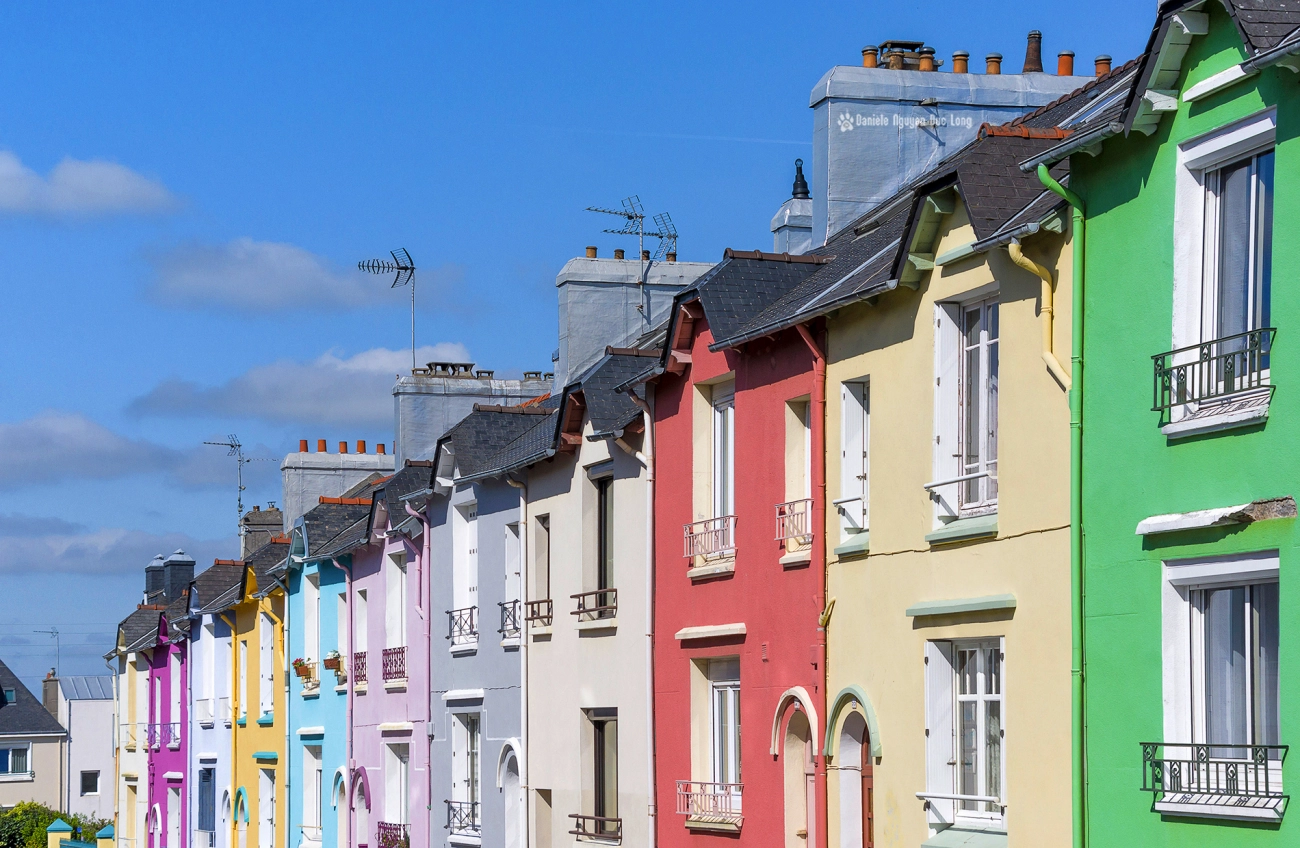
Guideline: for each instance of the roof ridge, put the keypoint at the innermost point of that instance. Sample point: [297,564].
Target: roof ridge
[1087,86]
[326,499]
[807,258]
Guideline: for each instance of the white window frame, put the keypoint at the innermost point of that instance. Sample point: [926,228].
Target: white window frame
[855,460]
[987,348]
[467,767]
[11,775]
[244,671]
[361,626]
[723,417]
[265,664]
[174,693]
[311,617]
[266,808]
[397,782]
[395,599]
[465,556]
[312,785]
[724,687]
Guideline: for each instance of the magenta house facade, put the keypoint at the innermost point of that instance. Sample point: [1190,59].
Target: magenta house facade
[167,731]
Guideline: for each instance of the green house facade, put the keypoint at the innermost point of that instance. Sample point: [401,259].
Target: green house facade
[1191,434]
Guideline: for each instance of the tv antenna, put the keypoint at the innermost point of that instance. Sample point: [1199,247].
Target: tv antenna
[404,267]
[237,451]
[53,631]
[634,214]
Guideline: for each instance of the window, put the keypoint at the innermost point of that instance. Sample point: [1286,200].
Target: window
[311,617]
[1235,667]
[724,449]
[603,773]
[978,423]
[1238,248]
[361,629]
[90,783]
[465,752]
[11,696]
[311,785]
[266,665]
[465,556]
[341,631]
[855,400]
[266,808]
[542,558]
[397,783]
[174,693]
[395,600]
[208,800]
[965,730]
[605,533]
[724,703]
[174,817]
[243,679]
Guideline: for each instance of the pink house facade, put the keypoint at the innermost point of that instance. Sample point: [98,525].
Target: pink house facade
[167,731]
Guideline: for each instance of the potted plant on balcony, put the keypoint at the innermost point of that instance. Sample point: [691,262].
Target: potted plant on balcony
[333,661]
[301,667]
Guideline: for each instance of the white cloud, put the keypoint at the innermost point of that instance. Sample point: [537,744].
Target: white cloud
[54,446]
[79,188]
[258,276]
[101,551]
[354,390]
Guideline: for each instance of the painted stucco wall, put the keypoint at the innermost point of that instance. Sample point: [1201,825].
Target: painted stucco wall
[1132,472]
[90,748]
[46,763]
[209,733]
[873,644]
[571,669]
[169,755]
[778,605]
[492,669]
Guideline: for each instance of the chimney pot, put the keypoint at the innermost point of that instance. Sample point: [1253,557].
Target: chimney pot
[671,256]
[302,446]
[896,62]
[379,448]
[1034,53]
[870,56]
[993,63]
[618,253]
[1065,63]
[361,445]
[927,58]
[320,446]
[343,447]
[645,255]
[591,251]
[256,508]
[961,62]
[1103,65]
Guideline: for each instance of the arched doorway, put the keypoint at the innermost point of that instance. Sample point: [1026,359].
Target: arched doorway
[360,814]
[340,797]
[800,783]
[510,791]
[224,830]
[854,765]
[241,818]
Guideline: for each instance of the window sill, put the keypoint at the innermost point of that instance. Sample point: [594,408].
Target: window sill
[967,836]
[464,840]
[598,624]
[712,825]
[243,722]
[1245,411]
[796,559]
[360,688]
[1192,809]
[965,529]
[395,685]
[712,568]
[24,777]
[310,694]
[207,725]
[540,633]
[512,642]
[266,720]
[465,650]
[856,545]
[342,687]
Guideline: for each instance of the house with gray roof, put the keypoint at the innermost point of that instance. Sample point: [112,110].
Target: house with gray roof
[32,744]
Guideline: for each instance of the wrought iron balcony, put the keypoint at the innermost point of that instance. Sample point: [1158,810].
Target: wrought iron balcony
[172,734]
[541,612]
[1243,781]
[794,521]
[394,665]
[1213,370]
[359,666]
[710,538]
[313,833]
[463,817]
[132,733]
[153,736]
[393,835]
[596,827]
[509,628]
[462,626]
[710,802]
[602,603]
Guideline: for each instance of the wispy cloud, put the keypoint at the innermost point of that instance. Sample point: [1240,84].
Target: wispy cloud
[252,276]
[100,551]
[55,446]
[78,188]
[331,389]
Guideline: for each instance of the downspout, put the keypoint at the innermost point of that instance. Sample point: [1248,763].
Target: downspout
[1078,722]
[345,839]
[426,640]
[646,405]
[1046,313]
[524,570]
[817,420]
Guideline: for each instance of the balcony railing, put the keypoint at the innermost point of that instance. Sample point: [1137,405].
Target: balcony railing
[308,675]
[602,603]
[394,665]
[223,710]
[153,736]
[710,802]
[462,626]
[463,817]
[541,612]
[132,734]
[1244,780]
[313,833]
[794,521]
[509,628]
[710,538]
[359,666]
[1213,370]
[204,839]
[172,734]
[393,835]
[596,827]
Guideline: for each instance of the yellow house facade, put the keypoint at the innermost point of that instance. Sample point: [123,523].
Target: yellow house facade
[948,518]
[258,695]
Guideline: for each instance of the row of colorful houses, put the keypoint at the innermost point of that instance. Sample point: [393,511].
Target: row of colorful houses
[975,515]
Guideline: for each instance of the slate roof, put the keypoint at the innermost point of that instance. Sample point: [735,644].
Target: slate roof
[737,290]
[263,562]
[1263,24]
[139,630]
[350,538]
[394,492]
[97,687]
[611,411]
[25,714]
[488,442]
[214,582]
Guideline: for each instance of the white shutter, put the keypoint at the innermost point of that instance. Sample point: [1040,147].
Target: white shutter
[473,555]
[940,731]
[947,356]
[851,455]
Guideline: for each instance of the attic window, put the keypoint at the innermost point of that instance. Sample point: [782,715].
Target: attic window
[10,696]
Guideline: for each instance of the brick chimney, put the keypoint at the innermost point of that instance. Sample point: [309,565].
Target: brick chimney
[1034,53]
[50,693]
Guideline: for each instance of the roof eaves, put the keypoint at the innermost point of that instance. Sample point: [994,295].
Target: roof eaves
[1073,144]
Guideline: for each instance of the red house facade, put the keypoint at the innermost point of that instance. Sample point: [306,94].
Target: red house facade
[739,589]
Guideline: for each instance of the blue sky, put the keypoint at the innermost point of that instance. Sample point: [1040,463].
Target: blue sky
[185,189]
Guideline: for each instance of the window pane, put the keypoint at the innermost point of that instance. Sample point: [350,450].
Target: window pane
[18,761]
[969,775]
[1234,249]
[1267,702]
[4,760]
[605,534]
[993,753]
[993,661]
[1264,239]
[971,424]
[966,673]
[1225,666]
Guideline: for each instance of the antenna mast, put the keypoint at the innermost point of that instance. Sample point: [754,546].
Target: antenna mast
[54,631]
[404,266]
[237,451]
[634,214]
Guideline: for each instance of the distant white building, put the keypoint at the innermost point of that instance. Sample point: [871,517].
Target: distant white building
[85,709]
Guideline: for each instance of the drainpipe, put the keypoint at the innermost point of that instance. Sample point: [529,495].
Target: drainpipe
[426,641]
[525,765]
[1078,722]
[1046,314]
[345,839]
[647,459]
[817,416]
